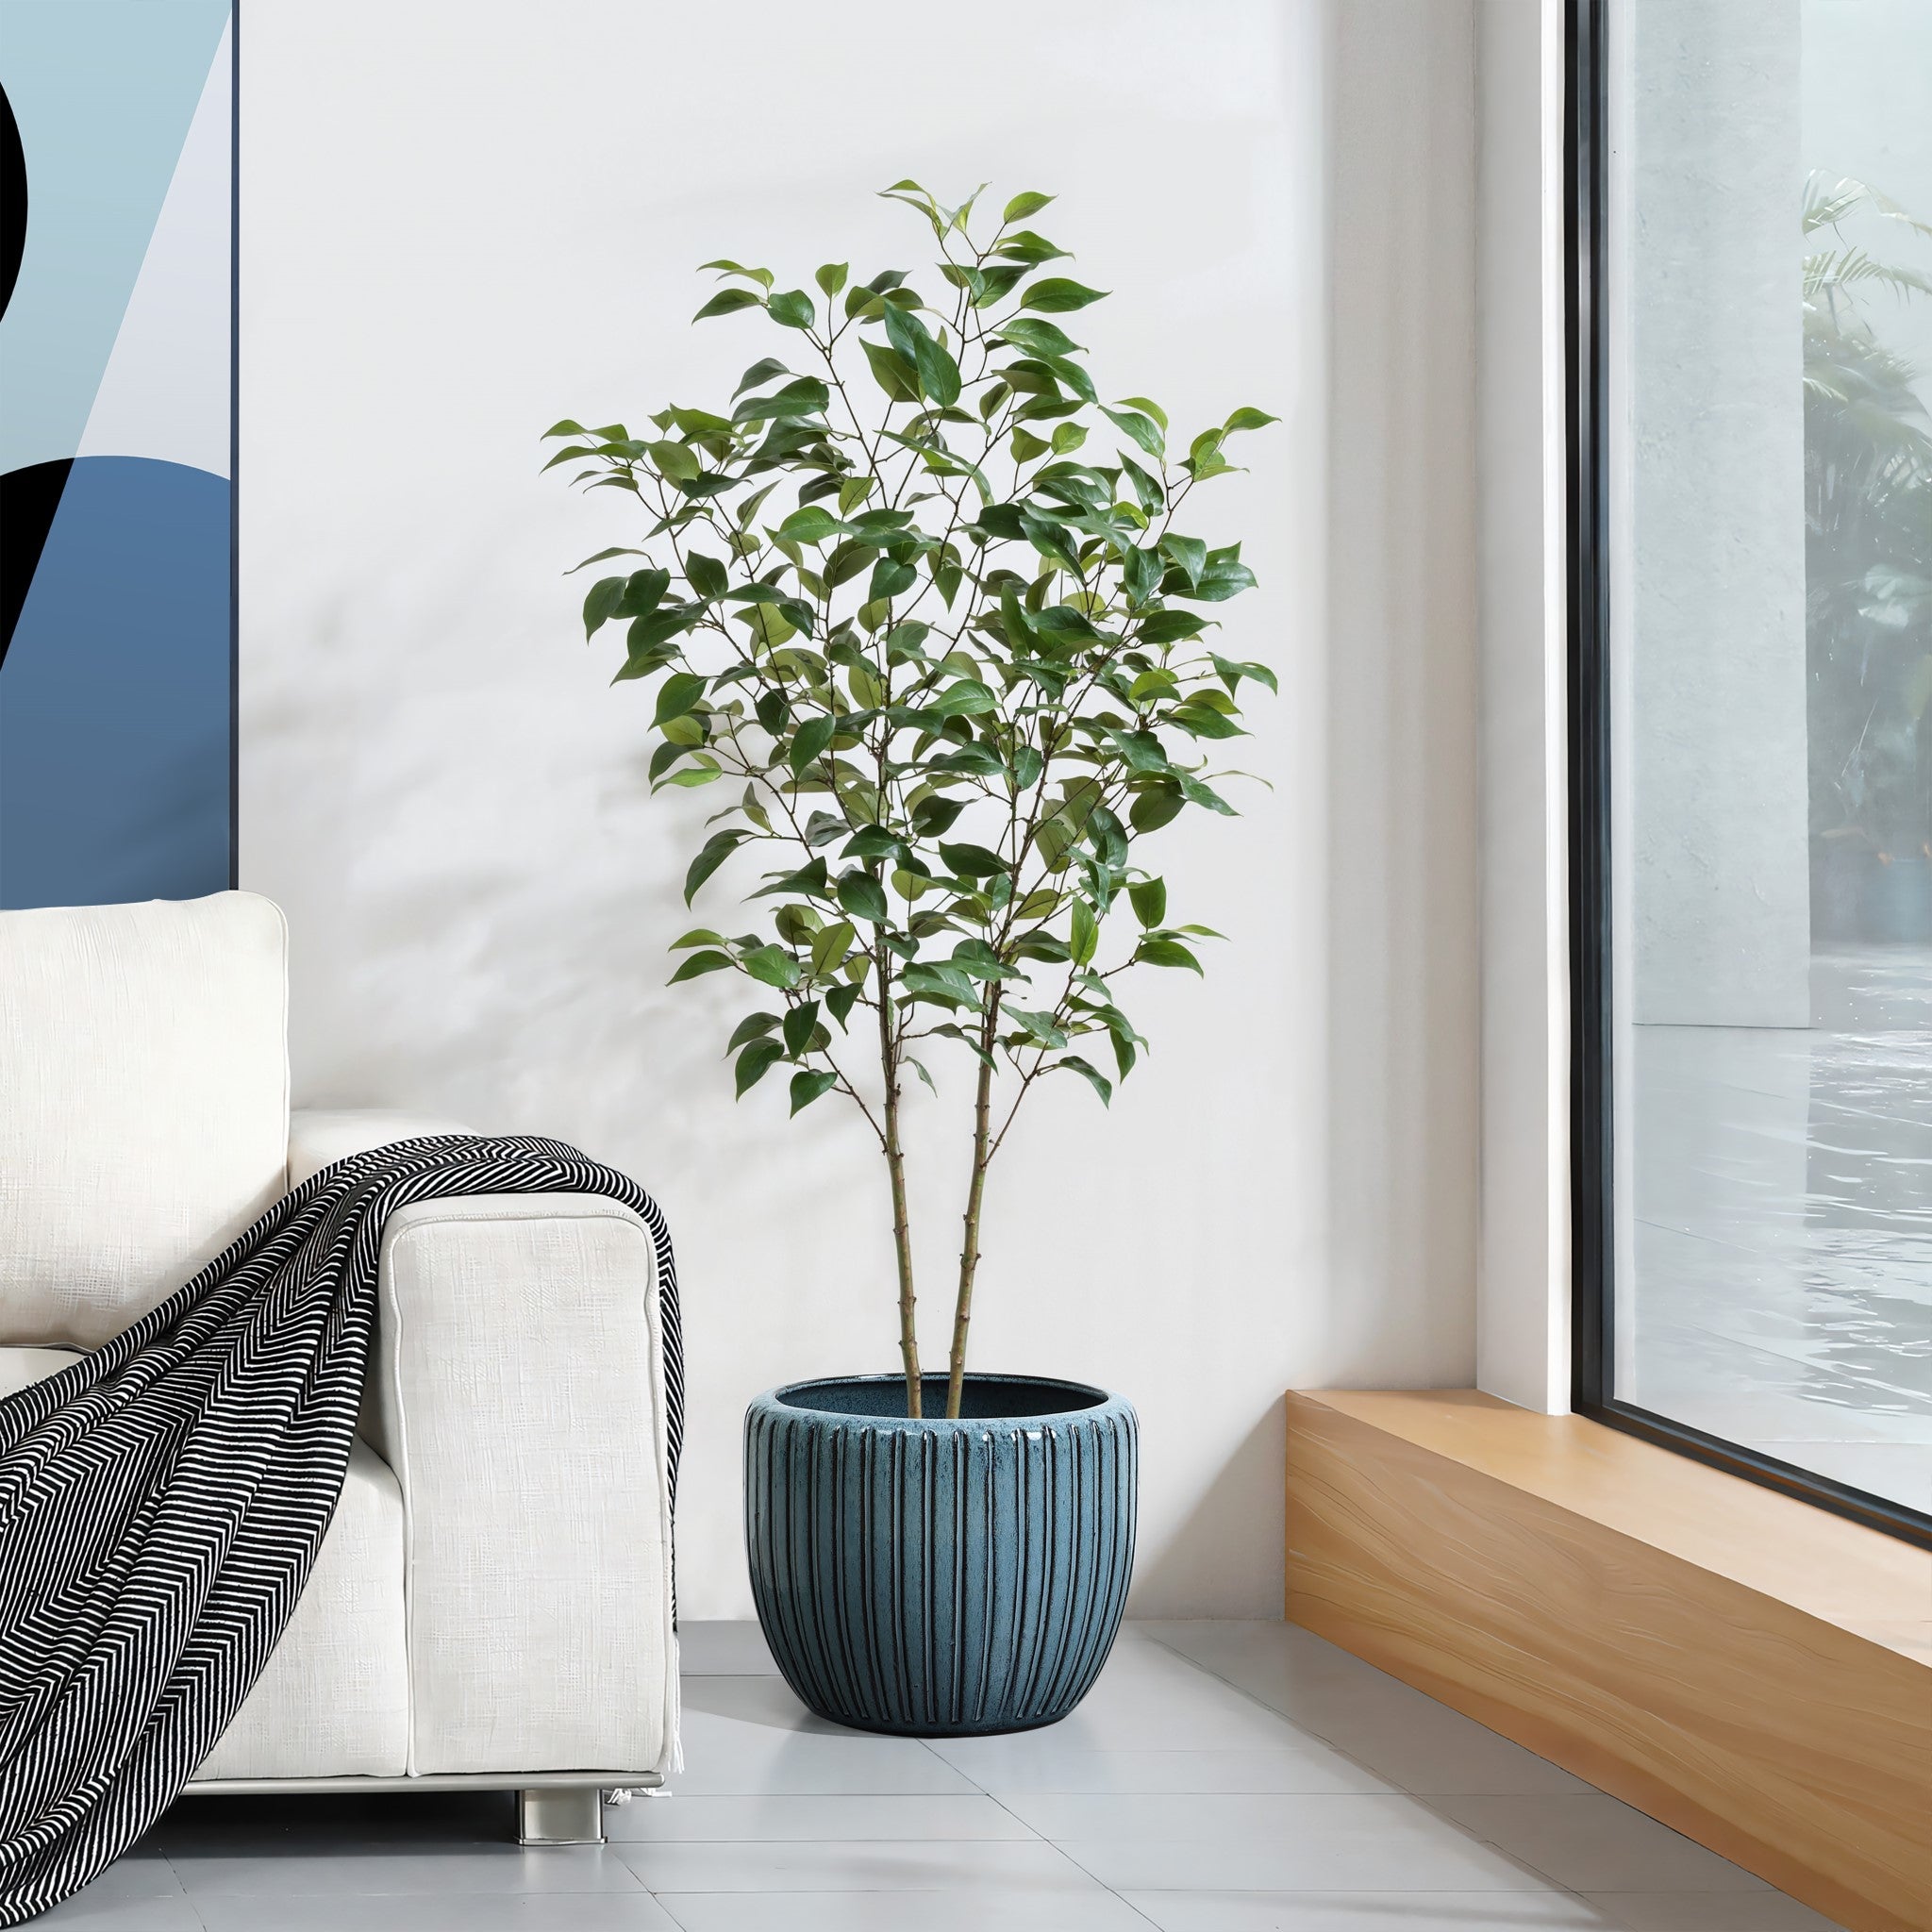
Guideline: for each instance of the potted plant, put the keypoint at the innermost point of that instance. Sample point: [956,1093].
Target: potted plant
[923,614]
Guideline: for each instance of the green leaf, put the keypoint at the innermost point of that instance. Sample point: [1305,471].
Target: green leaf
[891,372]
[718,848]
[1017,209]
[934,815]
[830,948]
[1092,1074]
[772,966]
[937,979]
[1188,555]
[841,999]
[1204,720]
[809,743]
[1148,491]
[1165,953]
[1247,419]
[964,699]
[755,1061]
[1150,900]
[889,580]
[647,636]
[1029,250]
[678,695]
[696,775]
[1232,672]
[807,396]
[799,1023]
[1141,749]
[806,1087]
[725,301]
[971,862]
[698,935]
[643,591]
[831,277]
[1038,337]
[600,602]
[707,577]
[938,373]
[564,428]
[753,1026]
[697,963]
[810,524]
[760,372]
[1141,572]
[1197,793]
[1160,804]
[1168,626]
[1039,1028]
[1086,936]
[675,460]
[761,276]
[1223,576]
[863,897]
[1144,429]
[791,308]
[1057,295]
[602,555]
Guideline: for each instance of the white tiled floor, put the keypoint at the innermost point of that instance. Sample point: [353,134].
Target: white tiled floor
[1222,1778]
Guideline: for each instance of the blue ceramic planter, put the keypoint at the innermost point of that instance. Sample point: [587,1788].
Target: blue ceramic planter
[936,1578]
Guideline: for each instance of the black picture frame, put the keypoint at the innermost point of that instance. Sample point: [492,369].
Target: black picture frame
[1591,1041]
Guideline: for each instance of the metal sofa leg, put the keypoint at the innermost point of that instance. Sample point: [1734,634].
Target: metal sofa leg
[560,1815]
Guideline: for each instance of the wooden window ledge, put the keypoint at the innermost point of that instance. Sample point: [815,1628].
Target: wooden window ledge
[1753,1671]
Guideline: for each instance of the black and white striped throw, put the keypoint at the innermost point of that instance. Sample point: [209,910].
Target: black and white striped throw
[161,1501]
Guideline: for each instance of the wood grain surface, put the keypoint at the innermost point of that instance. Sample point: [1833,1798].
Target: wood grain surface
[1753,1671]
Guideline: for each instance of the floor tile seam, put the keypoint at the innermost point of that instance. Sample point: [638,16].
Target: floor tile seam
[1027,1835]
[1361,1764]
[181,1884]
[1757,1886]
[1548,1887]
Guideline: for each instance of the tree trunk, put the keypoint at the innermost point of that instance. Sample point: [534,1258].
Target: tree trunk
[902,1229]
[975,1195]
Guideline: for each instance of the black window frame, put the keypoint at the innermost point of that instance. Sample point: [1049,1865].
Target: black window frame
[1592,1082]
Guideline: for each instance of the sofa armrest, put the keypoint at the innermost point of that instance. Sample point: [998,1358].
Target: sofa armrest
[517,1391]
[319,1138]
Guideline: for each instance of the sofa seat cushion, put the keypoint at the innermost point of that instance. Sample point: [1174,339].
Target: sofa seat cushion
[143,1103]
[334,1698]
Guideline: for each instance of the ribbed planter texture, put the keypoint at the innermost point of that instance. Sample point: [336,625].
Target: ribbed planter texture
[936,1579]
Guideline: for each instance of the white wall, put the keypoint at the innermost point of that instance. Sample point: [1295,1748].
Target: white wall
[461,221]
[1522,1325]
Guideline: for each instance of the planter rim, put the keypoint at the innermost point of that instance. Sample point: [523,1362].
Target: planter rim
[1090,1401]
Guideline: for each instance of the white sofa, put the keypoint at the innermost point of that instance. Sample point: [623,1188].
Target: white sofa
[491,1605]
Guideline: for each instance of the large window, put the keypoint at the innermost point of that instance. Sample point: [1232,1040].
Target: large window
[1751,343]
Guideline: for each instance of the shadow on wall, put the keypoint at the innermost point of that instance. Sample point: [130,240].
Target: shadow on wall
[1221,1518]
[452,805]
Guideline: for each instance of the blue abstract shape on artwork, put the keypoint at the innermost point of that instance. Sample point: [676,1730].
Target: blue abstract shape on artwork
[114,752]
[116,607]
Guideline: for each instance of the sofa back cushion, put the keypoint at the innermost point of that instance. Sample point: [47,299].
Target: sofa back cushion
[143,1103]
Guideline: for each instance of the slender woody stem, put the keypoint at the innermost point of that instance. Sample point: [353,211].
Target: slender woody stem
[902,1229]
[976,1196]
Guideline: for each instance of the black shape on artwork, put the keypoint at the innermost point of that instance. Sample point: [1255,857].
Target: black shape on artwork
[29,499]
[12,203]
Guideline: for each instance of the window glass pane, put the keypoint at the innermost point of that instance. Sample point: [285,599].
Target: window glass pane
[1770,270]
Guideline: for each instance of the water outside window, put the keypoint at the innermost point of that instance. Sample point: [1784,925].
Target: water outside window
[1771,270]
